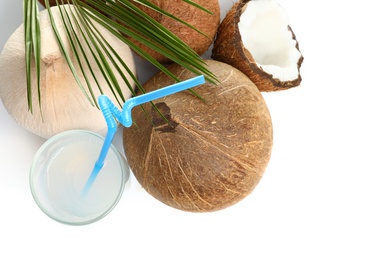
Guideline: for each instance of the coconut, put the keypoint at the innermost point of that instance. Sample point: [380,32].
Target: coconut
[63,104]
[212,154]
[203,21]
[255,37]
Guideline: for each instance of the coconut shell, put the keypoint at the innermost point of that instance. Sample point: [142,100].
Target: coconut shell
[213,153]
[206,23]
[229,48]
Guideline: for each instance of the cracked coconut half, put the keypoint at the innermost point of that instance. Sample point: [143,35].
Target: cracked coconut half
[255,37]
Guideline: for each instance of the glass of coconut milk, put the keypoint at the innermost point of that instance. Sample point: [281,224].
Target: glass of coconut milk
[61,168]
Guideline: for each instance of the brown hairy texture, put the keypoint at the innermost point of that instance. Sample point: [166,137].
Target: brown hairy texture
[206,23]
[228,48]
[212,153]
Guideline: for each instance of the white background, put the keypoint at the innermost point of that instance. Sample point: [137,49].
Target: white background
[325,194]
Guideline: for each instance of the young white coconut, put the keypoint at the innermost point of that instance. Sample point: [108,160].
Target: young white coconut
[255,37]
[64,105]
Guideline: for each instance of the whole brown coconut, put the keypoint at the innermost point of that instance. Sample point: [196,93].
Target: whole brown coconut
[203,21]
[213,153]
[258,41]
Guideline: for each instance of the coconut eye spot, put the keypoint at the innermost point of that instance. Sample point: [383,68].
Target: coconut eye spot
[264,32]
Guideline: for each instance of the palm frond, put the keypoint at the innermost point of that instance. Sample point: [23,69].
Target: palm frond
[125,21]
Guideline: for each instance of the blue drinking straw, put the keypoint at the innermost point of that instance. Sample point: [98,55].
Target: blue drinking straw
[110,112]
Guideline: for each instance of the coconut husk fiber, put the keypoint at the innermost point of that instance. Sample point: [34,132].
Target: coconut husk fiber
[212,153]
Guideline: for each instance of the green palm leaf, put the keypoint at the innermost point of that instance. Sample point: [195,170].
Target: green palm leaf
[32,37]
[126,21]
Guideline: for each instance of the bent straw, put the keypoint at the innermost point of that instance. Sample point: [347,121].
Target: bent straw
[110,112]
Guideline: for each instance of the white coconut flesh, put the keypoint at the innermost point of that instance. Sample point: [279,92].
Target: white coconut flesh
[265,34]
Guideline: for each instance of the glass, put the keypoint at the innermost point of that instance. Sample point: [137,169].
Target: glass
[60,170]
